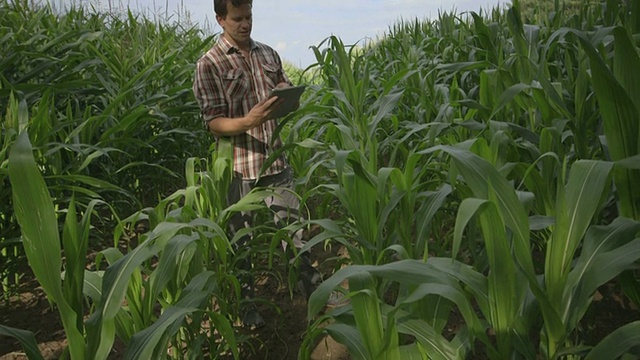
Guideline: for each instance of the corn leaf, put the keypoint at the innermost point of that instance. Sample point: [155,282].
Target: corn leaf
[505,293]
[154,338]
[169,263]
[36,215]
[429,206]
[507,97]
[75,237]
[622,340]
[478,174]
[92,285]
[350,337]
[481,176]
[454,293]
[413,352]
[436,346]
[620,114]
[368,316]
[606,252]
[435,270]
[486,43]
[26,339]
[35,212]
[587,181]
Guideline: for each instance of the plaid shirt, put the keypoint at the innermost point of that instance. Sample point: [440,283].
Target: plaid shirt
[228,85]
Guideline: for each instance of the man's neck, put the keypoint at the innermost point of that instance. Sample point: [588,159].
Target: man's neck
[243,47]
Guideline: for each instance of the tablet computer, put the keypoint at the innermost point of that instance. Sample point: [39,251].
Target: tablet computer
[290,95]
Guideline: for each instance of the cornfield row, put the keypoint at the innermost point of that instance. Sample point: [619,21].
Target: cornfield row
[476,165]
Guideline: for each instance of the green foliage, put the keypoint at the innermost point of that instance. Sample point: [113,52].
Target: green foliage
[542,11]
[27,340]
[505,117]
[35,213]
[108,105]
[109,98]
[443,158]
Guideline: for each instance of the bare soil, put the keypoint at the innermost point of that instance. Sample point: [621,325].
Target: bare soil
[285,327]
[280,338]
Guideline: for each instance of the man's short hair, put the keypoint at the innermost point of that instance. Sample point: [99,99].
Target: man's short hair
[220,6]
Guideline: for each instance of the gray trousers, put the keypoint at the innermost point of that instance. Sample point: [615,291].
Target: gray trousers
[283,202]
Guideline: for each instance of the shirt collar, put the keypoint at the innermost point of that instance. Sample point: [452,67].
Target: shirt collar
[229,48]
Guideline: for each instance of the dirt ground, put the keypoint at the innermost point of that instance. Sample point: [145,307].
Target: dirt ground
[281,337]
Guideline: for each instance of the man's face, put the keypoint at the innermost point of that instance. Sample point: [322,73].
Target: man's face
[237,23]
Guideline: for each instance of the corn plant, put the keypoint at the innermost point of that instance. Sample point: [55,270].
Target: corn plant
[179,285]
[441,156]
[617,93]
[357,113]
[72,146]
[36,215]
[9,232]
[418,280]
[614,88]
[27,340]
[575,206]
[135,323]
[503,297]
[518,107]
[188,232]
[104,107]
[97,121]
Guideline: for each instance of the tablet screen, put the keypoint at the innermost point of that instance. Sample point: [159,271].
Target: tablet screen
[291,96]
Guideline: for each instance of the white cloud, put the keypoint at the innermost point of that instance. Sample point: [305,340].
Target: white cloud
[281,46]
[306,23]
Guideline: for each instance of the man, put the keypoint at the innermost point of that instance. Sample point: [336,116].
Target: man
[232,83]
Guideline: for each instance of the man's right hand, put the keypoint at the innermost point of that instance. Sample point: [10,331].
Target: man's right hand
[263,111]
[260,113]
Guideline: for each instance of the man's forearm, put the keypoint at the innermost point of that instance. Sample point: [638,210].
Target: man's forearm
[222,126]
[261,112]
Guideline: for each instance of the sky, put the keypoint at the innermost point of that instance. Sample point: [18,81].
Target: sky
[292,26]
